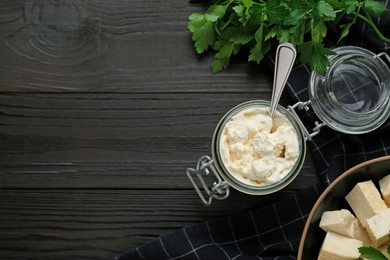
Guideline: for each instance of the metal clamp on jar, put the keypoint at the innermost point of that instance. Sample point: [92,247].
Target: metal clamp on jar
[352,98]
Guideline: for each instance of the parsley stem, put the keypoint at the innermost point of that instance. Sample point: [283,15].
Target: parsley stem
[371,23]
[226,24]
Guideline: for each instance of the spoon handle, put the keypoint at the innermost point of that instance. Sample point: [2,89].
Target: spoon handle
[284,61]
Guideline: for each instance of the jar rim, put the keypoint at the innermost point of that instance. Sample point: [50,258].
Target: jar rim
[257,189]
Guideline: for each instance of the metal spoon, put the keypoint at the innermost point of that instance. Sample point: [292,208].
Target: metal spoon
[284,61]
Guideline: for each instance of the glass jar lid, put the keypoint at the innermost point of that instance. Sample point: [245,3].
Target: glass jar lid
[353,96]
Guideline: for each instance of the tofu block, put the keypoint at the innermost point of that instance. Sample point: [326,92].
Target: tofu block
[338,221]
[365,201]
[339,247]
[378,228]
[360,233]
[384,185]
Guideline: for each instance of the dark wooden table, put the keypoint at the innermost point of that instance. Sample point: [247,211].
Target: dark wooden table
[103,106]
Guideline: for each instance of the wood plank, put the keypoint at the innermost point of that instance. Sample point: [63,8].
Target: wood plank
[109,140]
[91,224]
[96,46]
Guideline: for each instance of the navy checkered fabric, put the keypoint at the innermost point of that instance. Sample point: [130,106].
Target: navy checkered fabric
[273,231]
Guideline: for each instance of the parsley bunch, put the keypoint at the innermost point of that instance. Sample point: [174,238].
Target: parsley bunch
[229,25]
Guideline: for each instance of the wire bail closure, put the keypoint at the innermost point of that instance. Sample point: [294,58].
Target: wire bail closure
[219,189]
[305,105]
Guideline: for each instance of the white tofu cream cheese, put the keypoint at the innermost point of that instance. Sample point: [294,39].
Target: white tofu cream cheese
[257,150]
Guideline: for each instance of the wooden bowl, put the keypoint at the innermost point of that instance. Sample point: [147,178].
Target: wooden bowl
[333,198]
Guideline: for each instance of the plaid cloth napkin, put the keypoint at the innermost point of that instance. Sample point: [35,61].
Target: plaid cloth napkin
[273,231]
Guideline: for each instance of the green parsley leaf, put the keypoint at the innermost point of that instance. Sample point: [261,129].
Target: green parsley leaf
[240,10]
[215,12]
[241,13]
[351,6]
[237,35]
[319,31]
[296,15]
[220,64]
[372,253]
[202,33]
[298,34]
[315,54]
[247,3]
[319,61]
[306,52]
[272,33]
[345,30]
[225,51]
[276,11]
[259,34]
[257,16]
[325,10]
[196,21]
[284,34]
[337,4]
[375,8]
[258,52]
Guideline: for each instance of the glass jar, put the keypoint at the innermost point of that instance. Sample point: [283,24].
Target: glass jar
[352,98]
[224,178]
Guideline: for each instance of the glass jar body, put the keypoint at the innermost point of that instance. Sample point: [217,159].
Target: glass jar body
[353,96]
[232,179]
